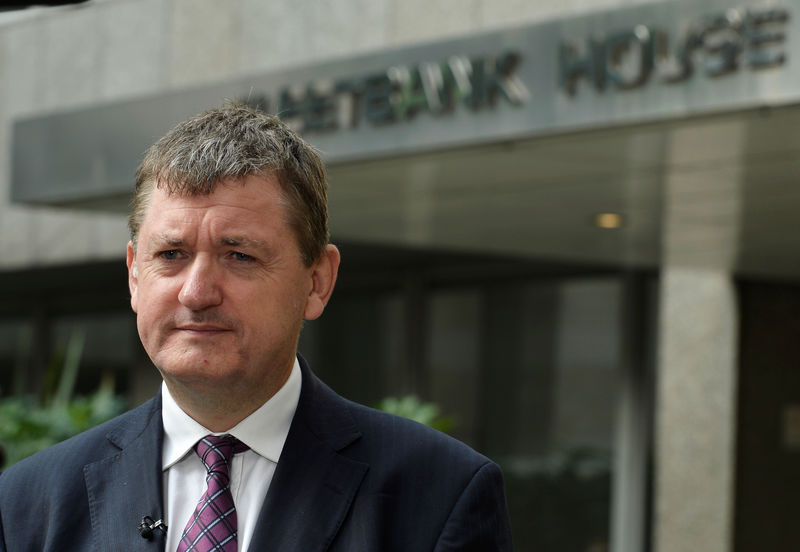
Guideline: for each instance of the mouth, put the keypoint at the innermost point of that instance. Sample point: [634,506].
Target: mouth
[202,330]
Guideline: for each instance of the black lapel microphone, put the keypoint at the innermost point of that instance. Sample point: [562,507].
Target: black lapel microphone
[147,527]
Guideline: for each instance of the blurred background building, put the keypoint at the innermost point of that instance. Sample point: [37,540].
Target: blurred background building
[572,224]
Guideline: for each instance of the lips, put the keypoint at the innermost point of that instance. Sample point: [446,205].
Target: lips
[202,330]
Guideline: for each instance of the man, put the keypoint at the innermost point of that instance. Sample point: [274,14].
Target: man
[244,448]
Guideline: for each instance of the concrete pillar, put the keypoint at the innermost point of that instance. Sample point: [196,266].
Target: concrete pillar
[695,411]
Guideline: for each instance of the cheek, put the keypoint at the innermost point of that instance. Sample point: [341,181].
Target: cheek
[150,308]
[143,327]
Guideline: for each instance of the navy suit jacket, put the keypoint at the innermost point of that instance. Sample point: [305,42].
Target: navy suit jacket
[349,479]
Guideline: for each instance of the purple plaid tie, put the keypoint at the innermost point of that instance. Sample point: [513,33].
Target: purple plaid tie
[213,524]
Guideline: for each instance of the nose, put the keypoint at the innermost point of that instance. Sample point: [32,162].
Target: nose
[201,289]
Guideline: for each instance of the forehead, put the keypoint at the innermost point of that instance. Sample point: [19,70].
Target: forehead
[252,202]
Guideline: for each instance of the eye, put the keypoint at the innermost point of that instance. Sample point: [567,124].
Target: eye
[243,257]
[169,254]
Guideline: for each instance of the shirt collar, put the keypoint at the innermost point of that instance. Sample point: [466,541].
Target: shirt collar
[264,431]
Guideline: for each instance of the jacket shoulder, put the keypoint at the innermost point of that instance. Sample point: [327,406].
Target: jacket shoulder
[451,495]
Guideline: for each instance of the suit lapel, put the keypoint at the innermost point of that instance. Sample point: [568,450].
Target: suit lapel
[126,486]
[313,486]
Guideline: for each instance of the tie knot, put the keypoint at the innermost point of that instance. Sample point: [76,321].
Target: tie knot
[217,450]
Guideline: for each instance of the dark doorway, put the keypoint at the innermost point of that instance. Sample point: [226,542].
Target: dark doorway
[768,443]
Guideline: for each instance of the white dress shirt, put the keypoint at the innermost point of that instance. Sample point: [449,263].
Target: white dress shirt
[264,431]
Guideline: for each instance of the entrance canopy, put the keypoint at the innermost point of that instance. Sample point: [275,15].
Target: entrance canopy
[715,192]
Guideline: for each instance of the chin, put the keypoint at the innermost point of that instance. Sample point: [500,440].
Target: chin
[195,371]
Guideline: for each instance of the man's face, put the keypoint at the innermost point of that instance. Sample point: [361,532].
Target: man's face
[220,288]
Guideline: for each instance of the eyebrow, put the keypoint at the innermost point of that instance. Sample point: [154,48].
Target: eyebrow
[241,241]
[166,239]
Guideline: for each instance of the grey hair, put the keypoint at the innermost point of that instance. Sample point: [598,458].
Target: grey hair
[231,143]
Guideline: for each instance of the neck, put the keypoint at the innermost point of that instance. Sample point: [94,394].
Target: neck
[219,408]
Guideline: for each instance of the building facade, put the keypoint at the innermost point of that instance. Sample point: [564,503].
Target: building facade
[572,225]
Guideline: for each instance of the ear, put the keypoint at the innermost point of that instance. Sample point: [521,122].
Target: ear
[133,277]
[323,278]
